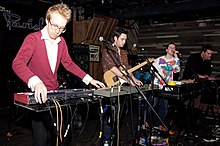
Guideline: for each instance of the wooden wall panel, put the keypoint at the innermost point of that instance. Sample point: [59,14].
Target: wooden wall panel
[190,37]
[89,31]
[80,29]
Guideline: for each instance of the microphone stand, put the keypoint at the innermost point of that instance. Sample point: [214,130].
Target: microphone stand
[155,71]
[142,94]
[127,75]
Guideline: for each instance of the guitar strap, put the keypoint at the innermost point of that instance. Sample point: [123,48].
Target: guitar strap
[113,52]
[122,57]
[117,56]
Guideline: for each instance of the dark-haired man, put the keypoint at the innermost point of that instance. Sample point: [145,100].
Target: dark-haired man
[164,68]
[114,57]
[199,64]
[199,67]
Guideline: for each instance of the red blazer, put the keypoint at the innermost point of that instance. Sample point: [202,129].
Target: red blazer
[32,60]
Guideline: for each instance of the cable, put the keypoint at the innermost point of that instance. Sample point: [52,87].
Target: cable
[68,126]
[61,120]
[118,114]
[100,111]
[51,115]
[100,115]
[57,121]
[59,126]
[67,114]
[69,110]
[211,140]
[87,114]
[131,114]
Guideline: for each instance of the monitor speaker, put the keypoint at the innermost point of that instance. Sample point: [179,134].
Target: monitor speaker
[80,55]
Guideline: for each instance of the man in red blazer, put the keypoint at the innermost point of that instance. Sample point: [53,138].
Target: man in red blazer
[38,59]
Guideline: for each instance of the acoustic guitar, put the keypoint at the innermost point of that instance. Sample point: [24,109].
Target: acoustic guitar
[111,79]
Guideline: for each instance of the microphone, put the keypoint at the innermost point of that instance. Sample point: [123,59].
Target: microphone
[176,52]
[101,39]
[179,56]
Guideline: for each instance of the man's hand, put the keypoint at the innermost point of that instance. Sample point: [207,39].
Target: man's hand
[138,82]
[98,84]
[175,55]
[40,93]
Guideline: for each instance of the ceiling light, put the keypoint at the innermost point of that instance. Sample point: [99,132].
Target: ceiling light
[205,20]
[167,36]
[212,34]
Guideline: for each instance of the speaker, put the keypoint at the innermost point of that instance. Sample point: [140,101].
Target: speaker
[80,55]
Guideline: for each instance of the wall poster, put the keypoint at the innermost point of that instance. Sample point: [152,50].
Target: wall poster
[94,52]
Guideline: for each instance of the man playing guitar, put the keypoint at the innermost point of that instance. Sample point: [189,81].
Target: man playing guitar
[114,59]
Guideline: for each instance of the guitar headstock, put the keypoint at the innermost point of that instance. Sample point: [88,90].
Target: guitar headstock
[150,60]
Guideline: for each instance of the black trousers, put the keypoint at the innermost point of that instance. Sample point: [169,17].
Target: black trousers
[43,131]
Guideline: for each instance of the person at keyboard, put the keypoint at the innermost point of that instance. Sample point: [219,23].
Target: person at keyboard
[199,65]
[163,69]
[37,62]
[198,68]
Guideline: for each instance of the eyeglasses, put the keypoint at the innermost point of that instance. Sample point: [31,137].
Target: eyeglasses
[56,27]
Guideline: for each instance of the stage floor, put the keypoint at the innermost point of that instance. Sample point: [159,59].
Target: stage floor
[15,128]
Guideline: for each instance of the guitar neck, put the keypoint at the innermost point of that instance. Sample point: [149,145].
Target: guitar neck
[137,67]
[109,75]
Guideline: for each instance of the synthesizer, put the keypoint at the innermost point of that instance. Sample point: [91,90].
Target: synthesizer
[186,89]
[122,90]
[27,98]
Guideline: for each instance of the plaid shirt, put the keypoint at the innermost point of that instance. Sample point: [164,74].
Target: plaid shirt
[111,58]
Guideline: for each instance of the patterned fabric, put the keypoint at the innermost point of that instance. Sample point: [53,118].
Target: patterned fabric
[166,68]
[111,58]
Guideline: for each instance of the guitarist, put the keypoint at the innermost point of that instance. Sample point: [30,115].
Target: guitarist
[114,57]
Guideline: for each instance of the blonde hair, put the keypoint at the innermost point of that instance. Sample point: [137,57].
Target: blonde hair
[62,9]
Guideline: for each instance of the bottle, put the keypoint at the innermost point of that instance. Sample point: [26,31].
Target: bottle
[106,143]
